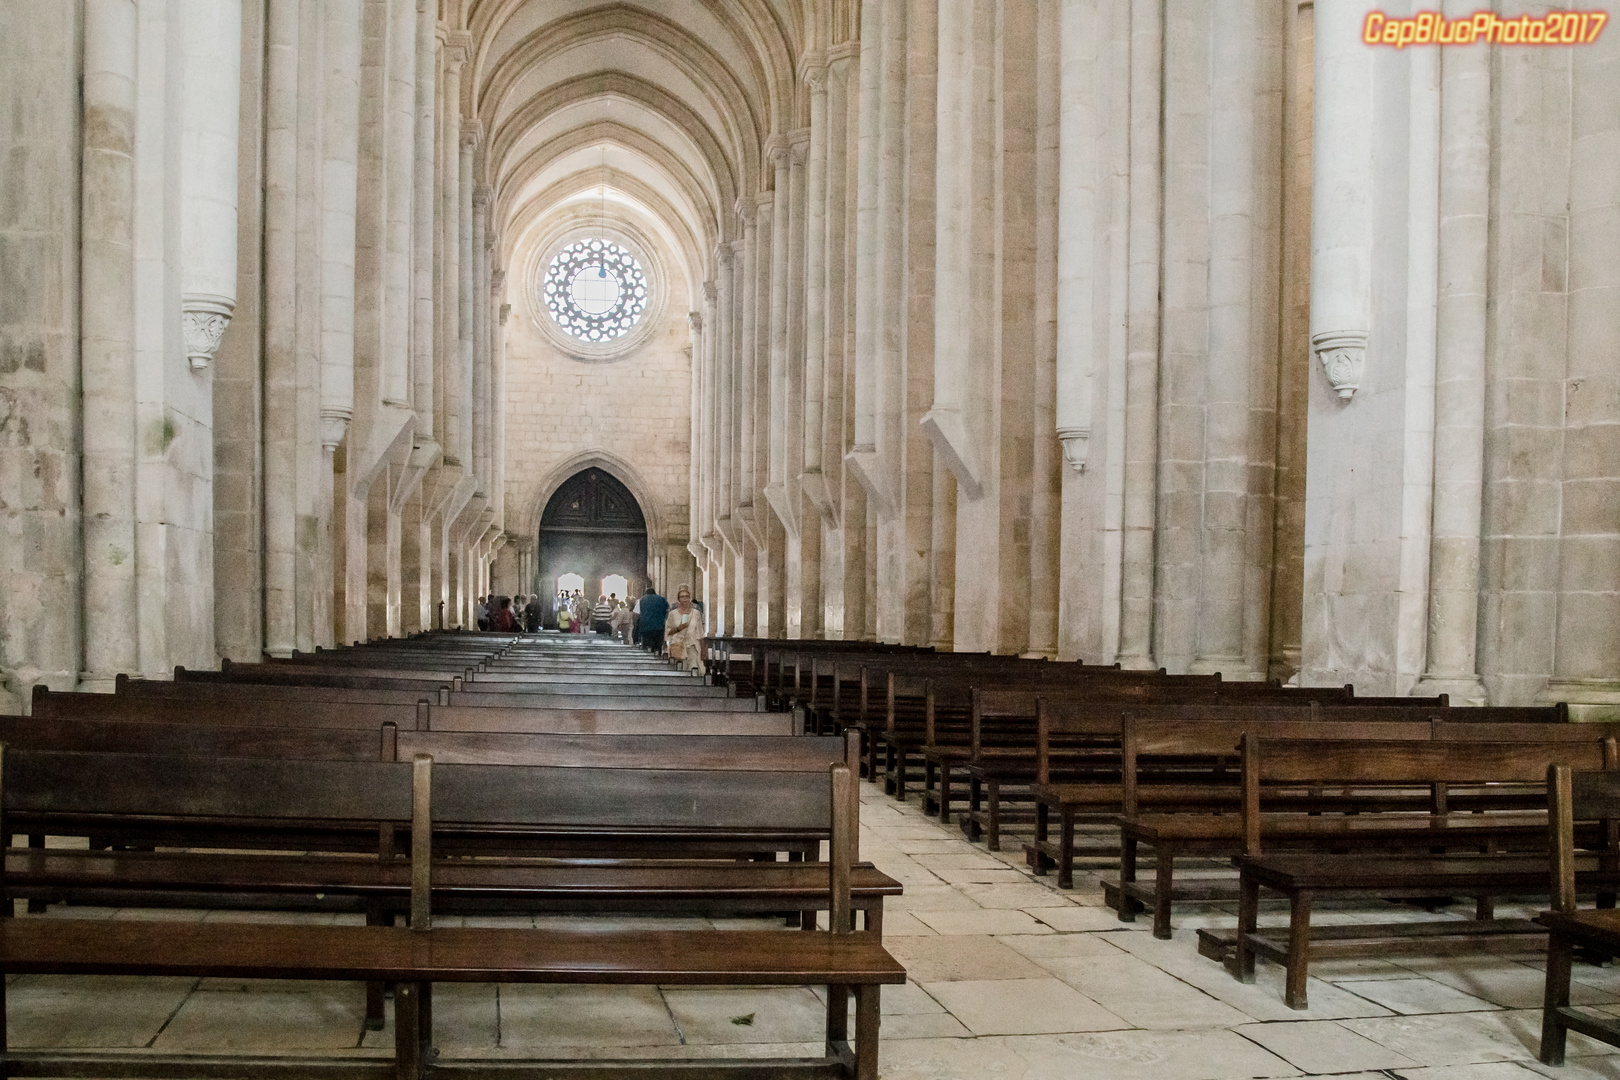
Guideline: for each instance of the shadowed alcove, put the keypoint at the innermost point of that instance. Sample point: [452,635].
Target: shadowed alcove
[592,527]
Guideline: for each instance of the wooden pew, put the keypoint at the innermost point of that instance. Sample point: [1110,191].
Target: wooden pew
[1585,797]
[331,715]
[1303,877]
[839,958]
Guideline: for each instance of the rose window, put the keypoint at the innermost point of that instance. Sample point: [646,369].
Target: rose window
[595,290]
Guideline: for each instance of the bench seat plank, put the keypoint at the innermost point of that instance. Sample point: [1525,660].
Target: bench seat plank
[553,886]
[396,954]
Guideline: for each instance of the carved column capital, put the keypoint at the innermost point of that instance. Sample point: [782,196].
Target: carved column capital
[1343,354]
[203,318]
[813,71]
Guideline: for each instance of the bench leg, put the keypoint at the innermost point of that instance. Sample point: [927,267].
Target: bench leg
[944,794]
[928,784]
[36,840]
[1065,849]
[1164,868]
[1043,831]
[867,999]
[1128,906]
[1299,950]
[1248,919]
[1560,954]
[407,1033]
[376,916]
[992,835]
[837,1017]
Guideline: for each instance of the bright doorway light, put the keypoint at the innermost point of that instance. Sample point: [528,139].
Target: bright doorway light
[567,583]
[615,585]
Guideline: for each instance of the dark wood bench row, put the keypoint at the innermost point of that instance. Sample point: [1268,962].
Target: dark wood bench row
[426,803]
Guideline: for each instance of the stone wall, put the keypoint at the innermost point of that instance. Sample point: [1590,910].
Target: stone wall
[630,414]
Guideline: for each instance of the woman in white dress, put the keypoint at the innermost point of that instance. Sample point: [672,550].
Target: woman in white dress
[683,632]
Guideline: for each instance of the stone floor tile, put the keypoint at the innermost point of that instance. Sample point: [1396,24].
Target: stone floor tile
[982,921]
[1323,1046]
[1155,1055]
[54,1011]
[1586,1068]
[1077,918]
[537,1019]
[1452,1039]
[1040,946]
[1141,993]
[907,999]
[1496,1070]
[927,845]
[1020,893]
[1502,982]
[1417,996]
[946,959]
[954,1059]
[941,1025]
[1261,999]
[935,898]
[267,1021]
[994,874]
[1022,1007]
[904,924]
[747,1014]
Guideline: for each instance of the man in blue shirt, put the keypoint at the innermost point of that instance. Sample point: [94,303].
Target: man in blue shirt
[650,622]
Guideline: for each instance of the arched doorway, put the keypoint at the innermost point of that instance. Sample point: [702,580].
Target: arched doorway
[592,527]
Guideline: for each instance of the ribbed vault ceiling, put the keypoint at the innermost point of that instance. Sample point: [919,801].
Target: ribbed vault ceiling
[657,110]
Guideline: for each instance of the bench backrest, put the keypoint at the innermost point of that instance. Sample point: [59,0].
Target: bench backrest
[1579,795]
[1329,762]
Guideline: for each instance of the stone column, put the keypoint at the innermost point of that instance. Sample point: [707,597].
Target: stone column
[400,272]
[1341,195]
[1146,245]
[476,310]
[1224,515]
[747,254]
[868,231]
[107,342]
[447,310]
[775,490]
[815,272]
[804,615]
[1459,387]
[340,134]
[427,96]
[40,533]
[1586,669]
[724,417]
[210,114]
[471,405]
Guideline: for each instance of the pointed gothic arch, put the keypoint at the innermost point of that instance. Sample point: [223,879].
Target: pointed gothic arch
[593,526]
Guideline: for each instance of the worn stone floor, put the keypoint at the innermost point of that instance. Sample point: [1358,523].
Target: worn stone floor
[1011,979]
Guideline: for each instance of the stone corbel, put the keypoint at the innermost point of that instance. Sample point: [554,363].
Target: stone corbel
[1343,354]
[815,488]
[781,500]
[1076,446]
[947,429]
[203,318]
[864,462]
[334,425]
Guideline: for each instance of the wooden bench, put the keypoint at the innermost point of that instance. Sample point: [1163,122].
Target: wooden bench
[1304,877]
[1173,835]
[418,957]
[1572,797]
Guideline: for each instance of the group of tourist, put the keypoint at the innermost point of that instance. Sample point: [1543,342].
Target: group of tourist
[651,622]
[509,614]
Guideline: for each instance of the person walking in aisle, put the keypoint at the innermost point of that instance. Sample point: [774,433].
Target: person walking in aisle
[684,632]
[650,623]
